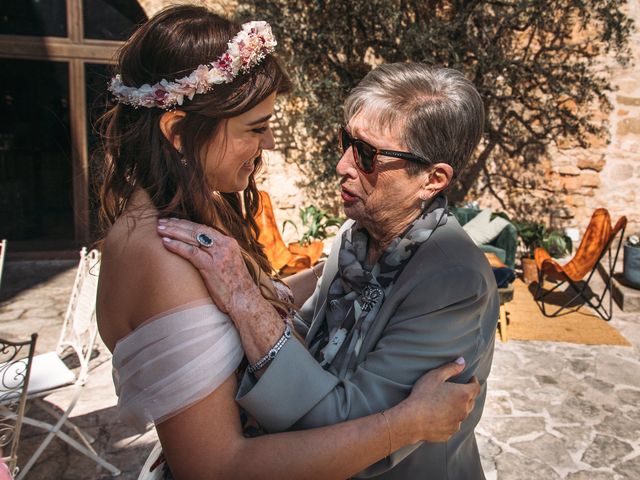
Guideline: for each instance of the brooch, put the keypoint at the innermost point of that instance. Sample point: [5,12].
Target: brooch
[370,296]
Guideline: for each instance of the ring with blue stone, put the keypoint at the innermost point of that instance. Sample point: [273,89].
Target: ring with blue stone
[204,240]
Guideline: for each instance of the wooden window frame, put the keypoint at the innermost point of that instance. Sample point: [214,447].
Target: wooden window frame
[76,51]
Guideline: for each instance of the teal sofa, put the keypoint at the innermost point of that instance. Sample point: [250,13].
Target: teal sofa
[504,245]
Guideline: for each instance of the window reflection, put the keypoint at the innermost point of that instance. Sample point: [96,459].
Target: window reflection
[36,195]
[111,19]
[97,77]
[33,17]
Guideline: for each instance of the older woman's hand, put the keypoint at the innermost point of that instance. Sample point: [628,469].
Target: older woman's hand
[220,264]
[223,270]
[436,407]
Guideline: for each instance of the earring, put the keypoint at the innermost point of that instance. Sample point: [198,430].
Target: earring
[183,160]
[423,204]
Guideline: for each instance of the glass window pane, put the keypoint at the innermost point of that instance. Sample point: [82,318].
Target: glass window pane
[36,194]
[111,19]
[33,17]
[97,77]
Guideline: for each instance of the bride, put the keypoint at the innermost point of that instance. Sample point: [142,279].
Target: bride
[195,94]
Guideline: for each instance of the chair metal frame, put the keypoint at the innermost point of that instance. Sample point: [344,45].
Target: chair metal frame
[582,291]
[15,370]
[78,336]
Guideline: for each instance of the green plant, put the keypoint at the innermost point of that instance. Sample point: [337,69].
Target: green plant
[315,222]
[531,235]
[534,235]
[557,243]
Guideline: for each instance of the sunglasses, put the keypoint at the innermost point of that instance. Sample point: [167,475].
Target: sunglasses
[365,154]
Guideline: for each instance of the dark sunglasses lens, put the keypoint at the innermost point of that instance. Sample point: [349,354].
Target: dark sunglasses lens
[345,140]
[364,156]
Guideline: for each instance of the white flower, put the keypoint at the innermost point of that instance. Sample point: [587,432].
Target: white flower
[247,49]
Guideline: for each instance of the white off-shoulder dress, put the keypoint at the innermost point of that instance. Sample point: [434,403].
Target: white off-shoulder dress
[175,359]
[171,362]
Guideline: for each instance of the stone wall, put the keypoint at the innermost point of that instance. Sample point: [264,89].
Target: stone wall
[607,174]
[220,6]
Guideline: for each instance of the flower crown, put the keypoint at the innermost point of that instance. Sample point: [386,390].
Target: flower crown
[246,50]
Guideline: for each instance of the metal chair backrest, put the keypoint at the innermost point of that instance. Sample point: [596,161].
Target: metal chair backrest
[79,329]
[15,368]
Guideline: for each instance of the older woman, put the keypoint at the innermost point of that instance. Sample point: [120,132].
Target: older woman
[403,291]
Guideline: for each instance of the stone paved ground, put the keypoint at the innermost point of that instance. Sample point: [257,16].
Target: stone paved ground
[554,410]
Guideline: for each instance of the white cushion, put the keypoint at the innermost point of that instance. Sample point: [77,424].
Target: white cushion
[47,372]
[482,229]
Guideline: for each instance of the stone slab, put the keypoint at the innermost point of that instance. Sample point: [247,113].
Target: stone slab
[627,298]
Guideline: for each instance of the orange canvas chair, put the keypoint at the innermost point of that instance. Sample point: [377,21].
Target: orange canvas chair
[597,242]
[281,258]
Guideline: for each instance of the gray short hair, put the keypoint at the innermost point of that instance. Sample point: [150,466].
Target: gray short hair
[439,111]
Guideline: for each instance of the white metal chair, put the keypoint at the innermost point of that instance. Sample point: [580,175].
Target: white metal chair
[15,367]
[50,374]
[3,251]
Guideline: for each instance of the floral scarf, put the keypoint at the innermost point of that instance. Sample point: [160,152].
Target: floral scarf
[358,291]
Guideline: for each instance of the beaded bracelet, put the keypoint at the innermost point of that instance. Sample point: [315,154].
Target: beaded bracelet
[271,354]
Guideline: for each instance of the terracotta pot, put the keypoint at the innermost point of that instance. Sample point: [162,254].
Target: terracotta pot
[313,250]
[529,270]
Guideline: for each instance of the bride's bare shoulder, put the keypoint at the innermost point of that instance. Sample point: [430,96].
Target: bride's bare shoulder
[139,277]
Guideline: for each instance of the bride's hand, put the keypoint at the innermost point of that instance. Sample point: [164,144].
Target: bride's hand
[220,264]
[436,407]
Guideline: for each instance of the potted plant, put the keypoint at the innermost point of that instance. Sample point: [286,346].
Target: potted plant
[316,224]
[557,243]
[631,265]
[534,235]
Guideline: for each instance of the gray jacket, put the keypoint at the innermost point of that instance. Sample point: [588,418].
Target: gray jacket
[444,305]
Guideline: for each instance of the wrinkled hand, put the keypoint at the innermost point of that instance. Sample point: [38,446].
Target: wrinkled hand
[442,406]
[221,265]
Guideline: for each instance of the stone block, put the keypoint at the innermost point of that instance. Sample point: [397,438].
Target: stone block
[510,465]
[597,141]
[591,163]
[590,179]
[630,468]
[622,171]
[622,113]
[569,170]
[626,100]
[571,184]
[629,126]
[548,448]
[618,426]
[606,450]
[627,297]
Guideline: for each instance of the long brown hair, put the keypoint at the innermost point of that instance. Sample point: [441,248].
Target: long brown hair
[137,154]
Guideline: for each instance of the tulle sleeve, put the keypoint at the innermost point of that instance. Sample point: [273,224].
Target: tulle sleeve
[172,361]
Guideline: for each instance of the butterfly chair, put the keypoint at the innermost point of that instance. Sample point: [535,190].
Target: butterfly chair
[50,374]
[279,255]
[15,368]
[3,251]
[598,242]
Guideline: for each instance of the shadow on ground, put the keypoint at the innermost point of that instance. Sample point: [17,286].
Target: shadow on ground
[22,276]
[114,442]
